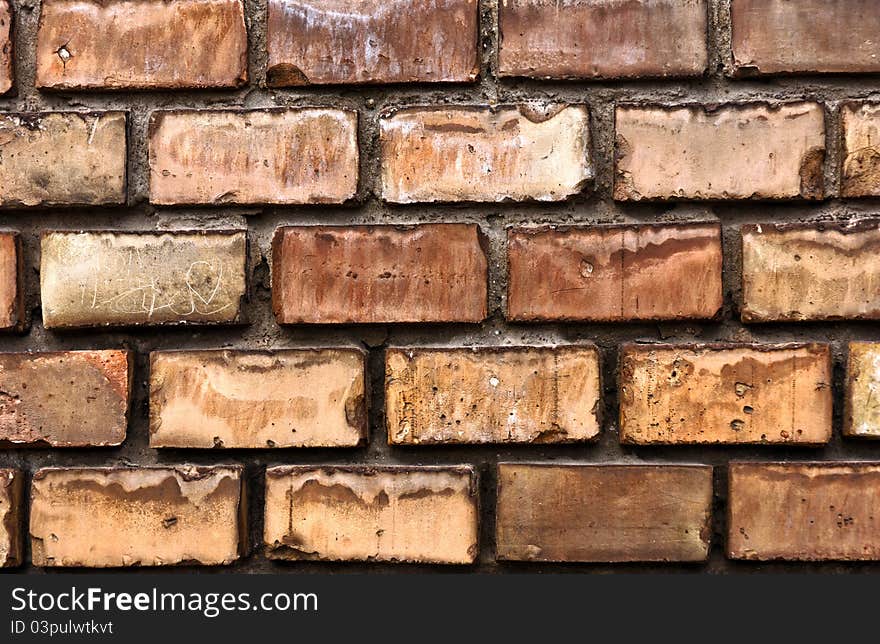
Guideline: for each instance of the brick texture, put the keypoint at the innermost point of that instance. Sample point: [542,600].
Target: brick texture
[11,515]
[862,413]
[316,42]
[860,154]
[6,56]
[12,306]
[492,395]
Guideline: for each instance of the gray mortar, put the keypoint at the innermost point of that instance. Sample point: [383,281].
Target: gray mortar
[591,207]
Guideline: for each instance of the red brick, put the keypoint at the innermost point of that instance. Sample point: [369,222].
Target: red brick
[140,44]
[11,515]
[589,39]
[6,57]
[277,156]
[315,42]
[614,273]
[12,306]
[379,274]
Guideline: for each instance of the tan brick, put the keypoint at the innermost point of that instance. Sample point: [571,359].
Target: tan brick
[379,274]
[862,415]
[6,55]
[614,273]
[315,42]
[603,513]
[273,156]
[725,394]
[11,515]
[130,44]
[804,511]
[823,271]
[142,278]
[806,36]
[365,513]
[241,399]
[860,156]
[156,516]
[62,158]
[64,399]
[589,39]
[13,312]
[480,154]
[751,151]
[492,395]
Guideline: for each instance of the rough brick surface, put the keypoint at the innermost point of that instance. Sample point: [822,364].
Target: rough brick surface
[802,36]
[158,516]
[804,511]
[614,273]
[62,158]
[381,274]
[64,399]
[12,306]
[295,156]
[290,398]
[127,44]
[823,271]
[117,278]
[372,514]
[604,513]
[725,394]
[11,516]
[589,39]
[860,156]
[315,42]
[492,395]
[480,154]
[748,151]
[6,57]
[862,415]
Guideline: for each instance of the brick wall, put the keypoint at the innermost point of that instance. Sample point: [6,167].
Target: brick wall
[444,281]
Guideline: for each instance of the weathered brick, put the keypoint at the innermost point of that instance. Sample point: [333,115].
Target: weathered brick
[804,511]
[492,395]
[589,39]
[451,154]
[751,151]
[6,27]
[725,394]
[11,513]
[64,399]
[13,312]
[141,44]
[862,415]
[603,513]
[277,156]
[823,271]
[155,516]
[241,399]
[614,273]
[781,36]
[398,514]
[314,42]
[62,158]
[142,278]
[860,156]
[379,274]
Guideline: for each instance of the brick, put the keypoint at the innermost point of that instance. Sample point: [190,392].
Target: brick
[379,274]
[603,513]
[250,399]
[492,395]
[90,279]
[6,48]
[750,151]
[139,44]
[156,516]
[13,312]
[614,273]
[365,513]
[725,394]
[825,271]
[62,158]
[64,399]
[829,511]
[862,414]
[271,156]
[447,154]
[317,42]
[807,36]
[860,154]
[11,514]
[589,39]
